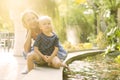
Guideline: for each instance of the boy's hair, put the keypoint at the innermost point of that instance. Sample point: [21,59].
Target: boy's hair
[44,18]
[26,12]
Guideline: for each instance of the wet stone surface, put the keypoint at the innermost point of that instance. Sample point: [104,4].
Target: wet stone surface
[93,68]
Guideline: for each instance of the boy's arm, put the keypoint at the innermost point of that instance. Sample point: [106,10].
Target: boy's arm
[53,54]
[56,45]
[40,54]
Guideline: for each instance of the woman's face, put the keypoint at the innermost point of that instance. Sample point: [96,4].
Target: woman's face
[31,20]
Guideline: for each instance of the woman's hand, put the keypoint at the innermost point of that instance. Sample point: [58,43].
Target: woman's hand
[28,41]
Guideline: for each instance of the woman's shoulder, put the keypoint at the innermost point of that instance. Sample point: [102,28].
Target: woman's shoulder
[35,34]
[55,34]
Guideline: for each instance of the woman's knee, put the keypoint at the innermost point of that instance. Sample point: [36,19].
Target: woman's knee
[30,57]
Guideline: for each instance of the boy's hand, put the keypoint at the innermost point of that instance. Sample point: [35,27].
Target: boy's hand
[45,58]
[49,59]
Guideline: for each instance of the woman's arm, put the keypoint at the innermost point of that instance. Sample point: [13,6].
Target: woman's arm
[27,44]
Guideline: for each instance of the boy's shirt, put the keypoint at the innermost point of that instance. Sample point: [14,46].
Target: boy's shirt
[46,44]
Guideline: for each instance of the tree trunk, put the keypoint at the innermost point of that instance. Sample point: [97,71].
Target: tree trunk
[72,35]
[19,32]
[118,14]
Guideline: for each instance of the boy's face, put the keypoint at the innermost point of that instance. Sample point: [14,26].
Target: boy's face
[46,25]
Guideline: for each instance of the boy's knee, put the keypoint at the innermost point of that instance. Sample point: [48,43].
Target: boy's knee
[57,65]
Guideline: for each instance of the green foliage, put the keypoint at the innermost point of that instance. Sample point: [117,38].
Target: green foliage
[112,6]
[117,59]
[113,36]
[91,38]
[113,39]
[51,8]
[76,17]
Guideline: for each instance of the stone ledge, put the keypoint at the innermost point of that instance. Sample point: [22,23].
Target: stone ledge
[80,55]
[46,73]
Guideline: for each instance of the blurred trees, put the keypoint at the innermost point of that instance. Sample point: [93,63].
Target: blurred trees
[80,17]
[105,11]
[6,24]
[51,8]
[88,17]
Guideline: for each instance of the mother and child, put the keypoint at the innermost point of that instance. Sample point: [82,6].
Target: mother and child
[46,48]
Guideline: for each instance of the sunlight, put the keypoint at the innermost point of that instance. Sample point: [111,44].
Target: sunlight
[16,3]
[80,1]
[8,66]
[71,35]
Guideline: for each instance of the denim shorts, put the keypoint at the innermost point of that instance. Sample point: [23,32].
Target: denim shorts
[25,54]
[62,54]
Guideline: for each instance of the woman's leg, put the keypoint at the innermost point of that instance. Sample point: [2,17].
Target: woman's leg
[26,53]
[31,58]
[62,54]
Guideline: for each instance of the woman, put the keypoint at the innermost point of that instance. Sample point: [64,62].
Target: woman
[30,22]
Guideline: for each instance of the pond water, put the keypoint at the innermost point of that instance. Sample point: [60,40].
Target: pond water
[93,68]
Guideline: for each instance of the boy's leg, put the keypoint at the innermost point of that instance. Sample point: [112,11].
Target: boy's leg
[31,58]
[57,63]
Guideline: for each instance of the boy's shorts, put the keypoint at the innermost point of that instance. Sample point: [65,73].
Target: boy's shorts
[41,62]
[62,54]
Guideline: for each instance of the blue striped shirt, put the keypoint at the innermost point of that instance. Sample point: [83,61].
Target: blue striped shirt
[46,44]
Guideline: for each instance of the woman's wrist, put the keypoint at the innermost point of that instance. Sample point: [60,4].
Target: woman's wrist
[29,31]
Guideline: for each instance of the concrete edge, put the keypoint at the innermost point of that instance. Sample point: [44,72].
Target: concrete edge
[80,55]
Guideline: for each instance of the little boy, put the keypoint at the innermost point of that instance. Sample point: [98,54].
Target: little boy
[45,46]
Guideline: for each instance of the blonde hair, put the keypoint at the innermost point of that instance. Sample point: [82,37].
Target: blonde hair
[41,18]
[26,12]
[44,18]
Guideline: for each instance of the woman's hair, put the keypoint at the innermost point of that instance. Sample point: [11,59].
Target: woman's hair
[25,13]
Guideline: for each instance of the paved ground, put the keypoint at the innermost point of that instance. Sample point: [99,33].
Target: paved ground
[11,66]
[44,73]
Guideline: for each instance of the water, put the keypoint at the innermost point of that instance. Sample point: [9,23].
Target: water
[93,68]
